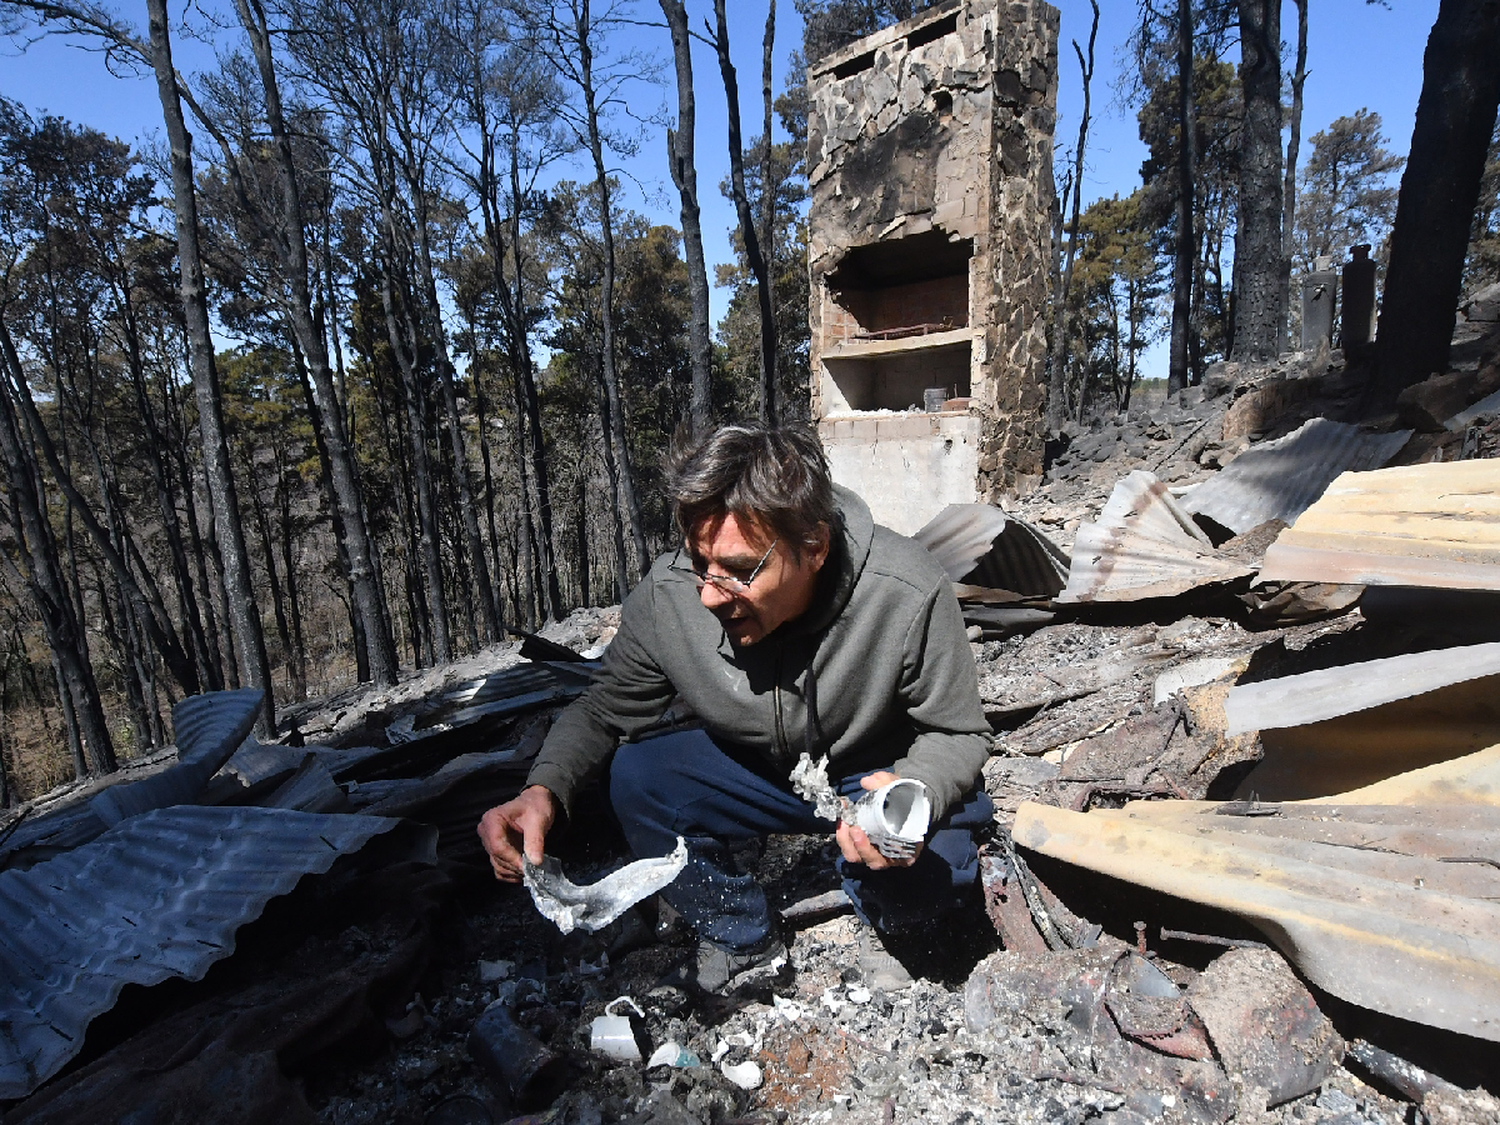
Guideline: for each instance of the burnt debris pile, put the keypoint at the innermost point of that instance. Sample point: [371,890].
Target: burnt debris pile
[1241,656]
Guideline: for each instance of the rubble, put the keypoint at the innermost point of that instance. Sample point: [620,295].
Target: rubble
[1166,934]
[1269,1034]
[1365,900]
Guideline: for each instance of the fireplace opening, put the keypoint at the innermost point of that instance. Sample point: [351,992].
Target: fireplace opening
[896,323]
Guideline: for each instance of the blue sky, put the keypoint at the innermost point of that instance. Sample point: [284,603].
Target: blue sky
[1360,55]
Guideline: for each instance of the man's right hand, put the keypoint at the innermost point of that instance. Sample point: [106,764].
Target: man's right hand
[519,824]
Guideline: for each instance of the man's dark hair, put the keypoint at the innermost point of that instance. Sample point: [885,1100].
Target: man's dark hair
[774,477]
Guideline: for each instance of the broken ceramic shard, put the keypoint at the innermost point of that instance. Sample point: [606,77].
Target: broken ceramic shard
[894,817]
[746,1075]
[598,904]
[611,1033]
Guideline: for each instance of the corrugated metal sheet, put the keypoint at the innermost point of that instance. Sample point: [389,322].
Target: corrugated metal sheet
[208,729]
[1328,693]
[1417,525]
[1471,780]
[979,545]
[1365,900]
[1280,479]
[514,689]
[161,895]
[255,768]
[1143,546]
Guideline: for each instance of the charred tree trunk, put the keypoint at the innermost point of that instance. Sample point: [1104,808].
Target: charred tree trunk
[622,481]
[340,536]
[1057,394]
[582,503]
[1257,251]
[612,472]
[268,553]
[685,178]
[1183,257]
[243,613]
[78,692]
[1439,190]
[769,408]
[768,193]
[69,714]
[548,592]
[297,655]
[1289,174]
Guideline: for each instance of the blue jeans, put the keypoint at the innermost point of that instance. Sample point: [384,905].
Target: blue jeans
[683,784]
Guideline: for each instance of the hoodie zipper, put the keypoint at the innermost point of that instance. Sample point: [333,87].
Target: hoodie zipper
[782,749]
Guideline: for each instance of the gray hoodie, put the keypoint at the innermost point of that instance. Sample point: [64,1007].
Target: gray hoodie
[879,661]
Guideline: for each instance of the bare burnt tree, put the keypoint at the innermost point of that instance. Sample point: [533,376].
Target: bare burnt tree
[78,691]
[283,225]
[685,178]
[1184,245]
[769,411]
[768,178]
[1289,175]
[1057,390]
[1439,191]
[1258,243]
[575,33]
[243,611]
[510,98]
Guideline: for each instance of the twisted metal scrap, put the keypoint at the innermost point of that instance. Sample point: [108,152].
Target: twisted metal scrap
[598,904]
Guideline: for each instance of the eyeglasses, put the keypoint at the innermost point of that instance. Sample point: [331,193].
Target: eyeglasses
[723,582]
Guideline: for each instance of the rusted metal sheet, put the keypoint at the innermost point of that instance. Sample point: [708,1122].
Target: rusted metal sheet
[1144,545]
[1280,479]
[1394,908]
[158,896]
[979,545]
[1416,525]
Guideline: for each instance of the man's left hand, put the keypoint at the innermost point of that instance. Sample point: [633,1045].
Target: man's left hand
[856,845]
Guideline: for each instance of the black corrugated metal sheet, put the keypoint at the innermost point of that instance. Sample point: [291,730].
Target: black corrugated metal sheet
[160,895]
[208,729]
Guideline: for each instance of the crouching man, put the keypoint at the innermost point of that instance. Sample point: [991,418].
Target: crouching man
[791,625]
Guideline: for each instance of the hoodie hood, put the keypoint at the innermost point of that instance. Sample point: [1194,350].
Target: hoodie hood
[847,555]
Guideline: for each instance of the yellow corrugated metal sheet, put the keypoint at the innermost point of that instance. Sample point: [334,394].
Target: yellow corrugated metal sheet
[1417,525]
[1395,907]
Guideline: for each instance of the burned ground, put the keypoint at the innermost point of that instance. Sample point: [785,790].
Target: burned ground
[1067,995]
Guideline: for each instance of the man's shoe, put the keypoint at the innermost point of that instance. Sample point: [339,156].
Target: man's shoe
[877,968]
[721,972]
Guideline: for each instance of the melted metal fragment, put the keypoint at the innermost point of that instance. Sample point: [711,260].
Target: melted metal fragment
[597,905]
[810,782]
